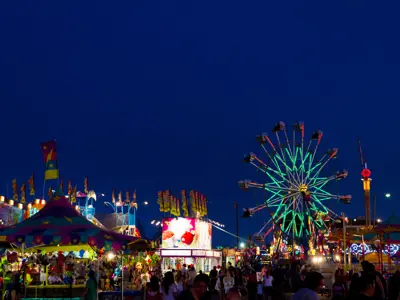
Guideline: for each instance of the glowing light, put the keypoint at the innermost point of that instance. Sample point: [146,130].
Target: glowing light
[37,201]
[20,206]
[387,195]
[43,202]
[2,198]
[242,245]
[317,259]
[379,220]
[152,222]
[145,202]
[158,223]
[29,206]
[11,202]
[337,257]
[77,207]
[110,255]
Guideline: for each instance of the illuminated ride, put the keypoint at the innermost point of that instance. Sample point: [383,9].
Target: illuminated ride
[295,186]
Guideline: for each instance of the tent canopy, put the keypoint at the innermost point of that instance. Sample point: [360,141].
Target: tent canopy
[59,223]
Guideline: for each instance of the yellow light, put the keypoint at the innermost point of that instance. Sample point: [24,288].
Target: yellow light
[367,184]
[11,202]
[77,207]
[2,198]
[29,206]
[37,201]
[110,255]
[43,202]
[20,206]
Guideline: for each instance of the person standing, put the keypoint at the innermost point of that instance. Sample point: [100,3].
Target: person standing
[313,283]
[91,286]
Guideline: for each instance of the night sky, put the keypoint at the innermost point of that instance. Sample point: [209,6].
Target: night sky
[151,95]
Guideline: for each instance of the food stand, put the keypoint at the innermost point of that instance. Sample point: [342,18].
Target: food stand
[188,241]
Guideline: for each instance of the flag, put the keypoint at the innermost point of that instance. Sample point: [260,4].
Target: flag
[50,192]
[160,201]
[113,196]
[23,193]
[178,207]
[70,189]
[73,194]
[15,189]
[167,201]
[120,197]
[184,204]
[127,198]
[62,184]
[134,196]
[31,182]
[173,205]
[50,160]
[86,185]
[205,206]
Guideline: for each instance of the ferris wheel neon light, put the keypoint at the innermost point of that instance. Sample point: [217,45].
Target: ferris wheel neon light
[295,185]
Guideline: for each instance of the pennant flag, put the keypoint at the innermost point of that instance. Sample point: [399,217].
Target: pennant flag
[73,194]
[50,192]
[113,196]
[173,205]
[134,196]
[86,185]
[50,160]
[70,189]
[15,189]
[128,198]
[160,201]
[193,204]
[62,184]
[167,201]
[120,197]
[185,207]
[23,193]
[32,185]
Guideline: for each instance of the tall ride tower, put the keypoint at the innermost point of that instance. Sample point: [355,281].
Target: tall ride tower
[366,179]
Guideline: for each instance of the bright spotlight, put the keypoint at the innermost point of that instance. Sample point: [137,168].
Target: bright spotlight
[379,220]
[152,222]
[387,195]
[242,245]
[110,255]
[145,202]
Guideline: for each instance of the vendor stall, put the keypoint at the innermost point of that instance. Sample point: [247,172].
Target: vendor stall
[187,241]
[53,242]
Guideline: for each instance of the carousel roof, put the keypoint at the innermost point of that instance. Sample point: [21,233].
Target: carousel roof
[59,223]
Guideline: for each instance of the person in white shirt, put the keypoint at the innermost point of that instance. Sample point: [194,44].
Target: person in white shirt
[170,291]
[267,284]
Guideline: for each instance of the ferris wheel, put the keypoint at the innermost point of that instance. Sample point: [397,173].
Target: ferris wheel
[295,184]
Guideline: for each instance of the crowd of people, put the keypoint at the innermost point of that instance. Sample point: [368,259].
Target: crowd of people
[298,282]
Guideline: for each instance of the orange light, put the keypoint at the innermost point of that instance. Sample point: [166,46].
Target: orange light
[29,206]
[77,207]
[366,184]
[37,201]
[2,198]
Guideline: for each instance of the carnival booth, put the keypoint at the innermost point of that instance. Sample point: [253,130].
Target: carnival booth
[58,246]
[187,241]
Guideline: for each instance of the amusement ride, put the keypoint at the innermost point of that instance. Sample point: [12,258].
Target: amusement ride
[295,188]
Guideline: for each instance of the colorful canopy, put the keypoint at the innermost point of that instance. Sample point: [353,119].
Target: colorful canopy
[59,223]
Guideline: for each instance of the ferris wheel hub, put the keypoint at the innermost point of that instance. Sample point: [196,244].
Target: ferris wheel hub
[303,188]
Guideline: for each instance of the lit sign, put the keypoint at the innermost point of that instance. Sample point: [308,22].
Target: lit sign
[199,253]
[186,233]
[210,253]
[177,252]
[217,254]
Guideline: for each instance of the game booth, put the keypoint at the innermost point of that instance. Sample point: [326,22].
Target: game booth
[188,241]
[56,248]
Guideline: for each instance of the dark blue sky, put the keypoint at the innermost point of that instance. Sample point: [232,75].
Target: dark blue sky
[170,94]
